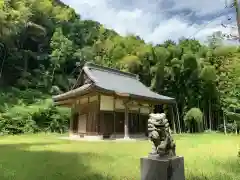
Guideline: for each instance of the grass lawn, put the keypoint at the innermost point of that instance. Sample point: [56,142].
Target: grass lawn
[45,157]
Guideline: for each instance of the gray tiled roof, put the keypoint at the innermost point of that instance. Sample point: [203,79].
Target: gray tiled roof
[121,83]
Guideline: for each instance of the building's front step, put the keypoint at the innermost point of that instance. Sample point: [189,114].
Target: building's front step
[118,137]
[131,136]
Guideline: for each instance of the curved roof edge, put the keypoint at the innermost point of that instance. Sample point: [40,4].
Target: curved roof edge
[73,93]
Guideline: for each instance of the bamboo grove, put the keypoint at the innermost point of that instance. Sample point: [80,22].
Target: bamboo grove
[44,44]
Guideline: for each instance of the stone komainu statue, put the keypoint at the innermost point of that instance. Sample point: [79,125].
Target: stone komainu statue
[160,135]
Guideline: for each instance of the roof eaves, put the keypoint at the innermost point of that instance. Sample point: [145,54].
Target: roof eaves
[160,100]
[167,101]
[73,93]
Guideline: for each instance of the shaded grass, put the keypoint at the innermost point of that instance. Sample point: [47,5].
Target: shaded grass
[37,157]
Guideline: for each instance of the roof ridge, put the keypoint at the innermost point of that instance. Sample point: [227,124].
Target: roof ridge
[113,70]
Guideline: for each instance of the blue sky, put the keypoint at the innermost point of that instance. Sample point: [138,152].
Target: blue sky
[157,20]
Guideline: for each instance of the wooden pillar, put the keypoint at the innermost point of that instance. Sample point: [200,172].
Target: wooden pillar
[151,108]
[99,114]
[126,123]
[114,117]
[73,109]
[71,122]
[139,115]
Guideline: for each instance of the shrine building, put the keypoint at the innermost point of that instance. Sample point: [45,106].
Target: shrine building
[108,103]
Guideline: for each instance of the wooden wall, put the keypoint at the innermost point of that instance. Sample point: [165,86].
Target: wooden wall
[113,123]
[112,116]
[106,122]
[88,115]
[109,103]
[104,115]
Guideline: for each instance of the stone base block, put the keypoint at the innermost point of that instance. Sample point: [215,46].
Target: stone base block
[85,137]
[158,168]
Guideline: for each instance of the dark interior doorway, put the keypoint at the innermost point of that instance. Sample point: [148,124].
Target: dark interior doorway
[158,108]
[75,122]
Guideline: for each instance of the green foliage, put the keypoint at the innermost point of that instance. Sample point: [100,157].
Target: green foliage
[233,116]
[26,112]
[208,74]
[12,96]
[194,120]
[190,62]
[37,117]
[230,127]
[194,114]
[52,119]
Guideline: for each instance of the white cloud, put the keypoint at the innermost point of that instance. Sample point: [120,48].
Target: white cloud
[153,25]
[201,7]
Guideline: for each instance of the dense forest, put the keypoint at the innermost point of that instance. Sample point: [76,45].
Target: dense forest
[44,44]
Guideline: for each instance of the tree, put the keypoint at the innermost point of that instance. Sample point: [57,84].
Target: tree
[208,75]
[130,63]
[62,49]
[215,40]
[193,119]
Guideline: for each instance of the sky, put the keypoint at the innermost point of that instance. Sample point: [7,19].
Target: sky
[156,21]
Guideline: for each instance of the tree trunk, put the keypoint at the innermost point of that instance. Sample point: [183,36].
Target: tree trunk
[25,63]
[204,119]
[236,129]
[178,120]
[3,59]
[224,124]
[173,120]
[53,74]
[209,115]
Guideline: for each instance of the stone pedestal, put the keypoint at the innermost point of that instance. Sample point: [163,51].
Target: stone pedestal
[162,168]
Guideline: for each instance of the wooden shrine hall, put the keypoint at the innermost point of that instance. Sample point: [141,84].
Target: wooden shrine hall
[108,103]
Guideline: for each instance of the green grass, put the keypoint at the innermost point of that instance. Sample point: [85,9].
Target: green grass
[45,157]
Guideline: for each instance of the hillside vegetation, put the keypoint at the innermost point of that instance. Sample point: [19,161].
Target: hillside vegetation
[44,44]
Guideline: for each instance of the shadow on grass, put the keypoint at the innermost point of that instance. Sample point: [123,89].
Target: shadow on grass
[232,164]
[224,170]
[23,162]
